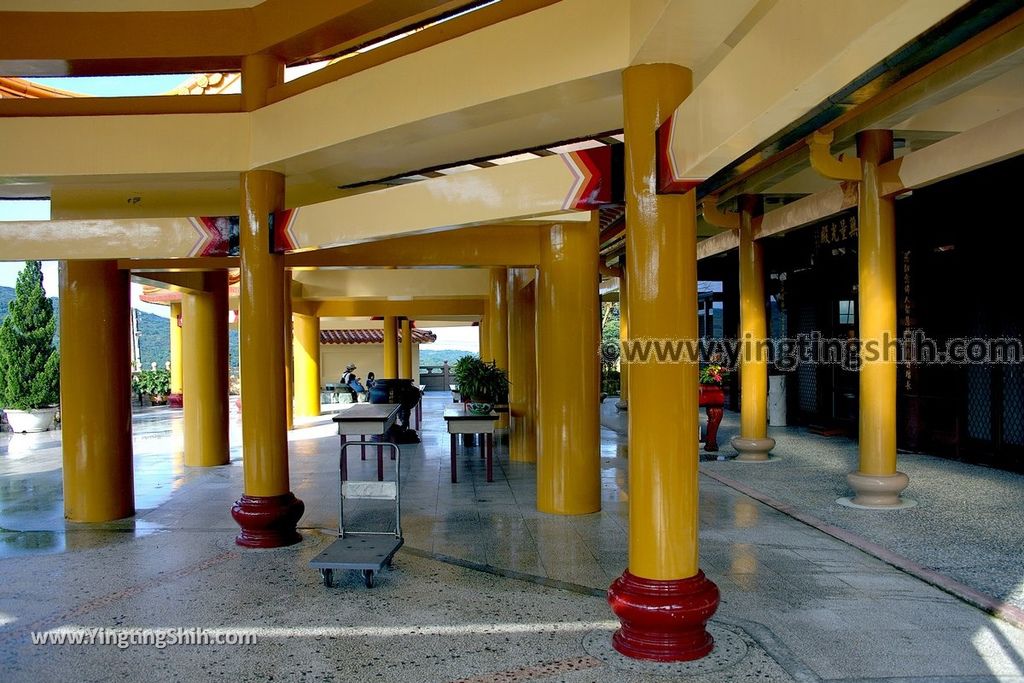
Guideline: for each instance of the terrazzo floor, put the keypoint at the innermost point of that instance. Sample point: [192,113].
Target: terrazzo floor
[486,589]
[967,523]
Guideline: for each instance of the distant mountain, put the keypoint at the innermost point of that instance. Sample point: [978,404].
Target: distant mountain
[429,356]
[154,334]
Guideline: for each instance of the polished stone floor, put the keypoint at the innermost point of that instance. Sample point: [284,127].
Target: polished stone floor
[486,589]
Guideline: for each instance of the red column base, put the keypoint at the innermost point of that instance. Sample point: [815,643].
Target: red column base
[663,620]
[268,521]
[174,400]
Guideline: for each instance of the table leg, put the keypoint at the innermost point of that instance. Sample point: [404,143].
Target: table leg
[344,461]
[490,457]
[380,463]
[362,449]
[455,478]
[483,445]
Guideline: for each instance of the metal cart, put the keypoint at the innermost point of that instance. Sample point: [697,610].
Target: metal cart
[365,551]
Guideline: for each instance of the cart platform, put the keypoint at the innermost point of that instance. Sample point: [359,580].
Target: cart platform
[356,551]
[365,551]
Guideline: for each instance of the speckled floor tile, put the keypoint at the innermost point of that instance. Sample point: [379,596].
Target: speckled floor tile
[487,589]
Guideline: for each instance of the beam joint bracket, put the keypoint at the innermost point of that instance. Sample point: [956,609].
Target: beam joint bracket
[730,220]
[825,164]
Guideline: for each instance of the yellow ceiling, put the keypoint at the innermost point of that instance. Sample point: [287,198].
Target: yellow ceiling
[123,5]
[477,95]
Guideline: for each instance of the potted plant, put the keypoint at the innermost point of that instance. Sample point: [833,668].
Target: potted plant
[712,376]
[29,361]
[712,398]
[481,385]
[154,383]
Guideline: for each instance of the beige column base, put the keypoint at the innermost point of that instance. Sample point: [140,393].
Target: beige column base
[622,404]
[752,450]
[877,491]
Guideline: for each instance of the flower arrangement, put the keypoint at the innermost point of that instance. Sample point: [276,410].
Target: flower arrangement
[713,373]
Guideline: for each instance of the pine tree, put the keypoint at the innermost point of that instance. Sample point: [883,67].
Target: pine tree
[29,362]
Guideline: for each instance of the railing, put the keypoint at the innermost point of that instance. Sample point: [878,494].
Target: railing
[435,377]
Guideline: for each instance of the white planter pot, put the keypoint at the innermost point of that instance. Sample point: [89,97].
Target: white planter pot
[30,420]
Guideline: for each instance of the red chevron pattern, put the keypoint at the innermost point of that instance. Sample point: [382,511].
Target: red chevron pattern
[213,236]
[591,170]
[668,180]
[284,240]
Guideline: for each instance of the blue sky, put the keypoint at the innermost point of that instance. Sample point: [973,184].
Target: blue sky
[116,86]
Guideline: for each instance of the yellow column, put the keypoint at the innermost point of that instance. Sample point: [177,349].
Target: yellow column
[877,483]
[205,372]
[752,443]
[95,375]
[268,511]
[623,402]
[663,599]
[497,324]
[569,453]
[405,371]
[485,340]
[306,364]
[174,400]
[259,74]
[390,347]
[289,384]
[522,366]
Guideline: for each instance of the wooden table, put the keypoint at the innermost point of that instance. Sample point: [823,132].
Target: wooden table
[362,419]
[461,421]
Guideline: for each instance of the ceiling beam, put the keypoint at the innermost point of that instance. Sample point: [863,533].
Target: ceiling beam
[988,53]
[719,244]
[483,246]
[413,308]
[813,51]
[984,145]
[70,240]
[121,43]
[187,283]
[578,181]
[179,265]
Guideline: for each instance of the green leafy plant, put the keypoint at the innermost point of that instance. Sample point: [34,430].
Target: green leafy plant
[29,361]
[610,382]
[480,381]
[152,382]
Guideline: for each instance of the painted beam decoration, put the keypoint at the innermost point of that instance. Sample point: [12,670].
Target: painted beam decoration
[671,179]
[280,230]
[218,236]
[592,170]
[547,186]
[578,181]
[123,238]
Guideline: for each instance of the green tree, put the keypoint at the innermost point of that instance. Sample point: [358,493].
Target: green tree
[29,362]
